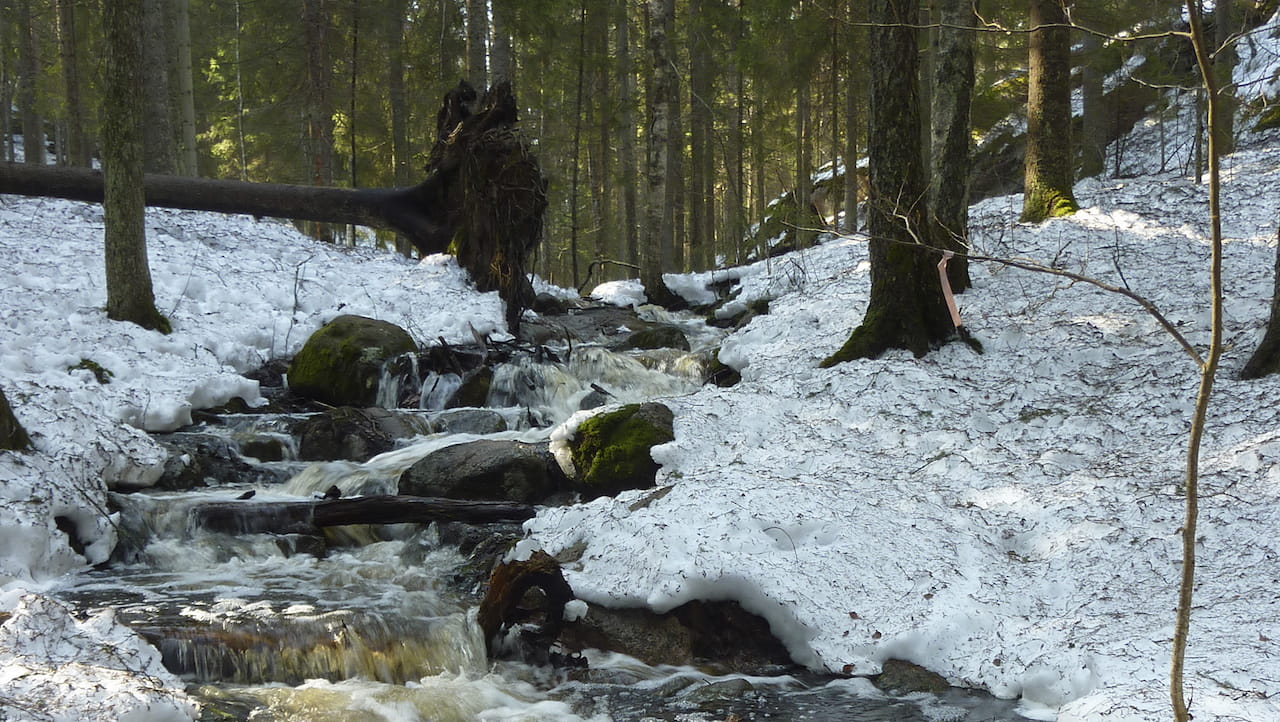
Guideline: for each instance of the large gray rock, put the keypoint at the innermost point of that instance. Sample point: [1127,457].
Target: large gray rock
[491,470]
[341,363]
[342,433]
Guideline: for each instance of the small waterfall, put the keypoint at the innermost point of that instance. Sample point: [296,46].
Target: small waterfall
[290,648]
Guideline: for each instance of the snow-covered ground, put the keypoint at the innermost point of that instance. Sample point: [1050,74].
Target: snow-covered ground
[1009,520]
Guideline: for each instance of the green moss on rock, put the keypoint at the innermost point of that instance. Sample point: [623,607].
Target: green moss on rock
[342,361]
[611,450]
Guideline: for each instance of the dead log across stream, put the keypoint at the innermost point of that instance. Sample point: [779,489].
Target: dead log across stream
[308,517]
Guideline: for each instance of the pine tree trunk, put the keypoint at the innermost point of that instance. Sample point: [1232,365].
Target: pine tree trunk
[1093,140]
[853,63]
[318,105]
[629,239]
[1049,166]
[159,150]
[12,436]
[77,144]
[477,33]
[949,175]
[400,153]
[188,163]
[28,85]
[501,56]
[1266,358]
[1224,64]
[702,158]
[129,294]
[659,236]
[906,307]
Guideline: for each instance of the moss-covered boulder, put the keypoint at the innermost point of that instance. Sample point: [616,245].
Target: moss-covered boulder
[610,450]
[901,677]
[342,361]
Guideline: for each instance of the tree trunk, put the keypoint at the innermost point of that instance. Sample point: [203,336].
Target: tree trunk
[660,233]
[129,294]
[1049,164]
[1266,358]
[484,192]
[308,517]
[949,176]
[159,148]
[77,144]
[400,154]
[1224,63]
[188,163]
[1093,140]
[477,32]
[906,307]
[629,249]
[12,436]
[501,57]
[318,105]
[701,134]
[28,82]
[853,64]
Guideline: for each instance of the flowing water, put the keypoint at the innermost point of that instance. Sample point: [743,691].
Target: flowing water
[370,623]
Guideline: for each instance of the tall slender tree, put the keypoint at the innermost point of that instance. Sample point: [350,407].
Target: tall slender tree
[659,236]
[477,50]
[129,294]
[28,86]
[68,45]
[188,155]
[159,150]
[906,308]
[629,239]
[1049,167]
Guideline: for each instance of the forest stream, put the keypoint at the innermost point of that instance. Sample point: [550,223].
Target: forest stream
[378,623]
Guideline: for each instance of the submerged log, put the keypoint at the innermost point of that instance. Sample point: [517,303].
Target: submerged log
[308,517]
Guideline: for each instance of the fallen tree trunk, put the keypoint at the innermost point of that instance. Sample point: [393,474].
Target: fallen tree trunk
[417,212]
[308,517]
[484,194]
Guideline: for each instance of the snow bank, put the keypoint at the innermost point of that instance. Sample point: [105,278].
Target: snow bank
[56,667]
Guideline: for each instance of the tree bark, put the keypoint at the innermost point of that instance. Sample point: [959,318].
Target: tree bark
[12,436]
[1226,25]
[77,144]
[477,33]
[1093,136]
[952,91]
[318,106]
[28,82]
[1266,358]
[129,293]
[501,57]
[159,143]
[629,239]
[853,62]
[188,163]
[660,234]
[1049,165]
[308,517]
[906,308]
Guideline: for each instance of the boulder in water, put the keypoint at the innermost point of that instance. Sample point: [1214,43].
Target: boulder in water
[342,433]
[657,336]
[610,450]
[493,470]
[341,363]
